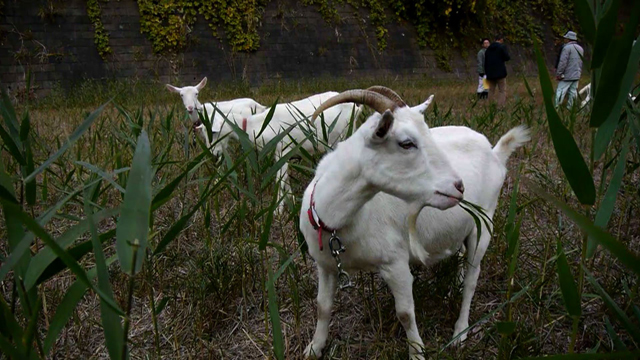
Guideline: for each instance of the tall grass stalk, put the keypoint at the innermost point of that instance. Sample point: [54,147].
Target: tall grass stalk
[132,282]
[226,269]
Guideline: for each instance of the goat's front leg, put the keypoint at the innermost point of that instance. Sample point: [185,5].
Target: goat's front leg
[283,186]
[327,281]
[462,253]
[399,279]
[474,257]
[201,130]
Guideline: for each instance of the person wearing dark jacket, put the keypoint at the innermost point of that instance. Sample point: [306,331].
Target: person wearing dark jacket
[495,69]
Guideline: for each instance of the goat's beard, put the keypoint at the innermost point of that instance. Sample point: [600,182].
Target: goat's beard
[416,248]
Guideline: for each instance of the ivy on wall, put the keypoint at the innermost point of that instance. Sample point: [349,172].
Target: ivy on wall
[326,8]
[167,23]
[240,20]
[442,25]
[377,16]
[101,36]
[379,21]
[445,25]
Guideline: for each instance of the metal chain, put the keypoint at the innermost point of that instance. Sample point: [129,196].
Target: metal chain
[336,247]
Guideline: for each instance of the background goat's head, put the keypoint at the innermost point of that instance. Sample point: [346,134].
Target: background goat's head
[396,153]
[189,96]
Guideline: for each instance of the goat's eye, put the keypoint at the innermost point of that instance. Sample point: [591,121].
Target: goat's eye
[407,144]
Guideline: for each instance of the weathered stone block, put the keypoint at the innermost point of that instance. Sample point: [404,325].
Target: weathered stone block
[296,43]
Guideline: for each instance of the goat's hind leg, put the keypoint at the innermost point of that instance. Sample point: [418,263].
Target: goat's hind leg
[327,281]
[399,279]
[475,253]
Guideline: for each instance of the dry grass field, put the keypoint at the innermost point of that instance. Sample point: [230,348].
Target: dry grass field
[204,296]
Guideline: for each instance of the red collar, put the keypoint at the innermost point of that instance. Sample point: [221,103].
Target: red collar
[244,124]
[315,220]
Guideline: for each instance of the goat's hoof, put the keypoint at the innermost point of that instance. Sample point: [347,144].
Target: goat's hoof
[312,351]
[280,211]
[461,339]
[416,351]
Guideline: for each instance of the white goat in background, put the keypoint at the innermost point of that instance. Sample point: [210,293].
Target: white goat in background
[587,90]
[336,123]
[287,114]
[292,115]
[370,192]
[189,95]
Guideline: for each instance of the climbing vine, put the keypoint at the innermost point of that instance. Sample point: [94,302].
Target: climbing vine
[240,20]
[167,23]
[442,25]
[445,25]
[326,8]
[377,17]
[453,22]
[101,36]
[379,21]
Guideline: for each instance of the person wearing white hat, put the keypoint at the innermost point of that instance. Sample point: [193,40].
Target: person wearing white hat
[569,69]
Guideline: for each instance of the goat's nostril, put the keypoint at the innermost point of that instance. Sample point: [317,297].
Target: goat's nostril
[459,185]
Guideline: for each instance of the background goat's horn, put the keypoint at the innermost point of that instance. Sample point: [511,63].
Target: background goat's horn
[383,90]
[374,100]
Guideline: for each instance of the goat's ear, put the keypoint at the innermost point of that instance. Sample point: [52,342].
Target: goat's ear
[202,83]
[173,88]
[424,106]
[384,126]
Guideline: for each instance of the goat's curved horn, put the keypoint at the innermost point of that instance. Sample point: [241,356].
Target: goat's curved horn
[383,90]
[376,101]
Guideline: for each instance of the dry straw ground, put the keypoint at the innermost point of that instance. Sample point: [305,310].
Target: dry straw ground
[213,274]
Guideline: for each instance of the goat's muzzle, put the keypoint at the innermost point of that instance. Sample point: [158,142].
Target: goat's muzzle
[459,186]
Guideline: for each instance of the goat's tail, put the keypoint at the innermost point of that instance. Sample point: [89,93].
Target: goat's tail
[510,141]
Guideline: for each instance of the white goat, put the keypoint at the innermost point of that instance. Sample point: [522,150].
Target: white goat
[336,122]
[285,115]
[377,182]
[336,119]
[587,90]
[189,95]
